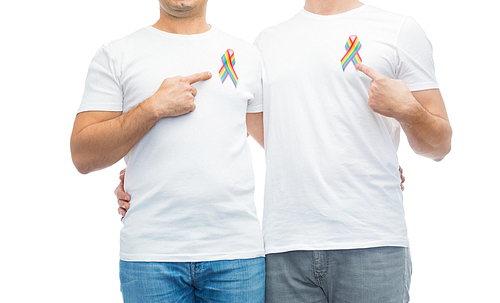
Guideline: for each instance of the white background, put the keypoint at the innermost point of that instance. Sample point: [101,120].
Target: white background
[59,231]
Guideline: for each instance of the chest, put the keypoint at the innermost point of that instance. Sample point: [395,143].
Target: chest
[329,54]
[143,72]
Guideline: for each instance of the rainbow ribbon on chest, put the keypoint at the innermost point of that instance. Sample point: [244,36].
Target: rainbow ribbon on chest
[227,69]
[352,47]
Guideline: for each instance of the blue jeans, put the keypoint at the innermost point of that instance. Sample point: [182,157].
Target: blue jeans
[214,281]
[371,275]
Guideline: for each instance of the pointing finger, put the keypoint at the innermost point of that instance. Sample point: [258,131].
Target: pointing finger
[370,72]
[198,77]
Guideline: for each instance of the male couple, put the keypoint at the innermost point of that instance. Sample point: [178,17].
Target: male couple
[177,99]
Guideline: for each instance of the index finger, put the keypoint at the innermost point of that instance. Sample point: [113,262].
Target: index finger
[370,72]
[198,77]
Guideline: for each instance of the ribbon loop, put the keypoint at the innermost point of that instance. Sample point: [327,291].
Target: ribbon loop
[227,69]
[352,47]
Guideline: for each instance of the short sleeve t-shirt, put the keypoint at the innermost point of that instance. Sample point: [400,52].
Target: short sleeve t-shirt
[190,177]
[332,179]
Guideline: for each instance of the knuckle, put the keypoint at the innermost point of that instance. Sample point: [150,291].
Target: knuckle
[372,103]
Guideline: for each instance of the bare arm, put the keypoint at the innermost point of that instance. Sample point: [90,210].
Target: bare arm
[422,114]
[100,139]
[427,126]
[255,127]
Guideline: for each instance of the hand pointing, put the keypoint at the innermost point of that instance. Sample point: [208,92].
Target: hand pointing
[175,96]
[388,97]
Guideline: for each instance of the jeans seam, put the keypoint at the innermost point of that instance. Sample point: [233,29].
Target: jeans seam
[404,277]
[319,258]
[192,270]
[406,274]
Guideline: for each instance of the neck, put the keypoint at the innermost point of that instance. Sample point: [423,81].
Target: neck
[331,7]
[183,25]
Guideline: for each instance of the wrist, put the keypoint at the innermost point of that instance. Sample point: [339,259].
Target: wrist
[150,108]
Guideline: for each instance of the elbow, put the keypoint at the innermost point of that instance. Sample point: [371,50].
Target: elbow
[82,167]
[82,170]
[438,159]
[81,163]
[86,163]
[435,153]
[80,156]
[443,153]
[444,150]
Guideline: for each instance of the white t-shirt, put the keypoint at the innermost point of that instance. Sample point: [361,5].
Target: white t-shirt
[190,177]
[332,179]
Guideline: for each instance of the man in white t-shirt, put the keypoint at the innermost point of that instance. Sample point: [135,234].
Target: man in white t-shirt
[191,233]
[341,78]
[334,226]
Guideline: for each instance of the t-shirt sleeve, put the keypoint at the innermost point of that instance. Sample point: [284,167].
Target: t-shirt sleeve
[257,41]
[103,91]
[416,65]
[255,104]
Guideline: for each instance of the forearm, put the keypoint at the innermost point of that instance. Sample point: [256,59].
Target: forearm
[428,135]
[101,139]
[422,114]
[255,127]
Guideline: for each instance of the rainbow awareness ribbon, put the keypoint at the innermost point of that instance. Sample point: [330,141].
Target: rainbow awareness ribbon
[227,68]
[352,46]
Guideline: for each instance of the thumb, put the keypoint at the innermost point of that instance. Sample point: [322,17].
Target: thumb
[370,72]
[198,77]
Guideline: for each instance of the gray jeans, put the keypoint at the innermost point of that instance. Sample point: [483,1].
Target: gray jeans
[371,275]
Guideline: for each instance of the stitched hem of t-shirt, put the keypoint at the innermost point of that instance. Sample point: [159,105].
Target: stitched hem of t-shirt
[330,246]
[99,107]
[254,111]
[423,86]
[190,258]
